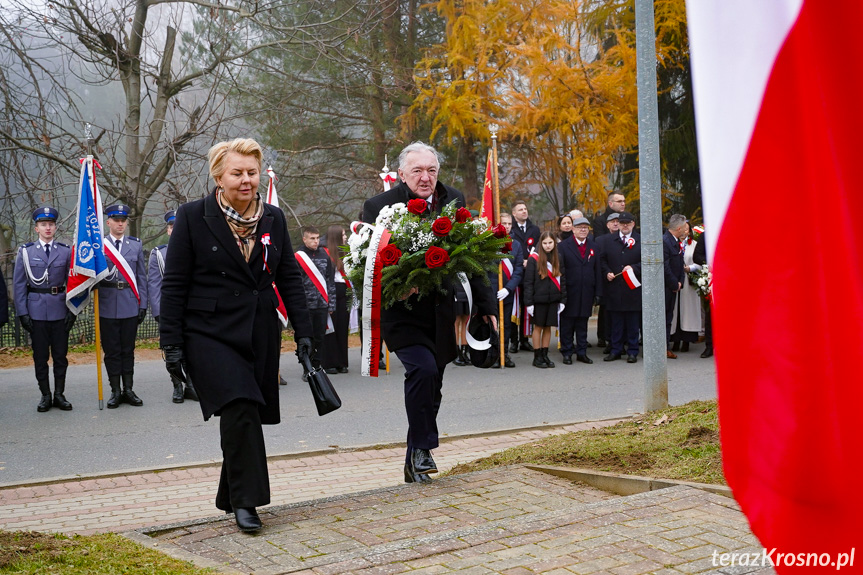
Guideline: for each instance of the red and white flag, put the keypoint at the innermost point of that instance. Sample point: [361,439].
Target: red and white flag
[631,280]
[273,199]
[486,210]
[777,97]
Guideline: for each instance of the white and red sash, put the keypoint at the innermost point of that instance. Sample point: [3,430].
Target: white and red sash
[113,254]
[507,274]
[318,281]
[344,275]
[554,279]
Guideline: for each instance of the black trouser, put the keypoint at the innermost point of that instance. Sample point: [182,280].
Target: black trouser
[568,326]
[423,384]
[118,341]
[244,481]
[624,331]
[506,321]
[319,329]
[50,338]
[335,352]
[708,326]
[603,324]
[670,299]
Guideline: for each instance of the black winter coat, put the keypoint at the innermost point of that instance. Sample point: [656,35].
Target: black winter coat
[583,276]
[428,323]
[222,310]
[539,290]
[614,256]
[672,256]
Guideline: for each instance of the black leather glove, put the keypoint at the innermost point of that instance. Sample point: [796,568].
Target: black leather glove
[142,313]
[174,356]
[304,348]
[597,300]
[26,323]
[70,321]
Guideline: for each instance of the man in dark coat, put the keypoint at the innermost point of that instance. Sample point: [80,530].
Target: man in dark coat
[672,254]
[616,205]
[579,257]
[422,335]
[699,256]
[527,234]
[319,283]
[512,280]
[219,312]
[621,269]
[603,321]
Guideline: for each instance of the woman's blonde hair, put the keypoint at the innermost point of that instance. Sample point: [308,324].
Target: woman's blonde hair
[243,146]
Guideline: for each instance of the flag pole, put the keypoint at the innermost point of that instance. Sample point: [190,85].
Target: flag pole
[493,128]
[97,332]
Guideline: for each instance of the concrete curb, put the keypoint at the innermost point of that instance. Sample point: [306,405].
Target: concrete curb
[625,484]
[297,454]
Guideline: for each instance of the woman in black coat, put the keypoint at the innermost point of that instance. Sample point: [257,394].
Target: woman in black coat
[219,316]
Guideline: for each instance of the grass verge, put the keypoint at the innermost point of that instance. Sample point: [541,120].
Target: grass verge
[675,443]
[34,553]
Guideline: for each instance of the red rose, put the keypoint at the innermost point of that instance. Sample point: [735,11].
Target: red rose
[417,206]
[462,215]
[436,257]
[442,226]
[507,247]
[499,231]
[390,255]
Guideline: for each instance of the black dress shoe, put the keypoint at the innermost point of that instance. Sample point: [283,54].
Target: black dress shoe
[513,348]
[422,462]
[708,352]
[584,359]
[631,359]
[411,477]
[611,357]
[342,369]
[44,404]
[60,401]
[526,346]
[607,349]
[507,362]
[567,360]
[601,343]
[247,519]
[331,371]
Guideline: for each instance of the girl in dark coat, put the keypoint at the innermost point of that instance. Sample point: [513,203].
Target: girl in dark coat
[544,295]
[226,253]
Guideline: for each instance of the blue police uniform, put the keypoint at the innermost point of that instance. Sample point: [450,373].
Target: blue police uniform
[155,273]
[39,282]
[120,312]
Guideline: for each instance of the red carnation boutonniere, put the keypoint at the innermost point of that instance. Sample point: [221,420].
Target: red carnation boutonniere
[590,255]
[265,241]
[630,242]
[529,242]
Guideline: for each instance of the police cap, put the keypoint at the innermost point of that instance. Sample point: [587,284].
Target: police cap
[45,213]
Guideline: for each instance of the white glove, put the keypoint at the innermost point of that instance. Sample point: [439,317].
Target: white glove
[694,268]
[560,307]
[530,310]
[502,293]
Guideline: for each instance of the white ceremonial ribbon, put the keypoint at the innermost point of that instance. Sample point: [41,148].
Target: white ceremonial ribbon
[473,343]
[370,331]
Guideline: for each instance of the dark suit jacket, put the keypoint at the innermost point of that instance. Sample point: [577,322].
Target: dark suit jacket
[223,310]
[421,322]
[672,257]
[583,276]
[529,239]
[617,295]
[699,254]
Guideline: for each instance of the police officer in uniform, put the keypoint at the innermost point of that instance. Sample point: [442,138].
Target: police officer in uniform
[155,273]
[39,280]
[120,310]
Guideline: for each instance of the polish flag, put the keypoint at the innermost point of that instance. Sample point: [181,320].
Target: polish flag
[487,207]
[777,97]
[630,278]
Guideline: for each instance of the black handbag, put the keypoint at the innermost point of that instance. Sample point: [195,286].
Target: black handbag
[323,392]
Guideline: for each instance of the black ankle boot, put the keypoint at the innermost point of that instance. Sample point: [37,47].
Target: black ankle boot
[460,360]
[59,398]
[114,401]
[128,396]
[538,360]
[548,362]
[178,390]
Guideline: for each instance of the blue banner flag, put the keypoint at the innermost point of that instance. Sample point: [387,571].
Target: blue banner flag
[89,264]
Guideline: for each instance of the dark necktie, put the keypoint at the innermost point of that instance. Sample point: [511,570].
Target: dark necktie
[523,230]
[117,243]
[47,251]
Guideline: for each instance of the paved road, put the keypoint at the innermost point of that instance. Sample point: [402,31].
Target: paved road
[86,440]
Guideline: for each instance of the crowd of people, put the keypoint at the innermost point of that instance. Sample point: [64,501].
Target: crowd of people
[229,273]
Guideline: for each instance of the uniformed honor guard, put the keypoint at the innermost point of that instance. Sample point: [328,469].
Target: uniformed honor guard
[39,280]
[122,304]
[155,273]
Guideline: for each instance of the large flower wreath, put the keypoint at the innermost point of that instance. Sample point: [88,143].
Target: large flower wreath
[423,250]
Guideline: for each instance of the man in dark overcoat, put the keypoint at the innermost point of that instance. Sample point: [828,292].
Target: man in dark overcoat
[422,333]
[603,321]
[672,254]
[527,234]
[622,254]
[579,257]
